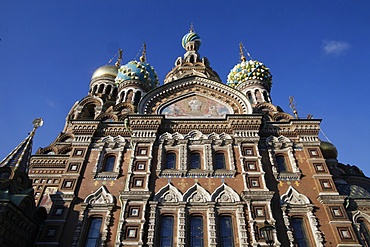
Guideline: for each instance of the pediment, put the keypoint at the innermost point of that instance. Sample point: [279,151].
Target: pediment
[194,97]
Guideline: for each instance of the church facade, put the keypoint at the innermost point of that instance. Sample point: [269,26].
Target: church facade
[194,162]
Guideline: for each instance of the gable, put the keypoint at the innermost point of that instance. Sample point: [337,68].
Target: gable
[194,97]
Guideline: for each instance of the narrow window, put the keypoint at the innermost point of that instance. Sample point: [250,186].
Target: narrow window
[300,232]
[220,161]
[101,87]
[281,164]
[226,231]
[266,98]
[196,231]
[195,161]
[109,164]
[137,97]
[130,94]
[166,239]
[364,232]
[249,95]
[93,236]
[170,161]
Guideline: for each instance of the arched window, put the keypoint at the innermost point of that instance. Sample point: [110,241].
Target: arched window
[130,94]
[194,161]
[226,231]
[94,235]
[300,233]
[266,98]
[88,111]
[101,87]
[249,95]
[108,89]
[170,161]
[196,231]
[364,233]
[220,161]
[166,237]
[122,96]
[108,165]
[281,164]
[137,97]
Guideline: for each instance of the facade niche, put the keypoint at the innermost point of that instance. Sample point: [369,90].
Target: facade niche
[283,163]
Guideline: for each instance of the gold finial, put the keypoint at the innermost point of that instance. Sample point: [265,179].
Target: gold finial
[292,106]
[119,59]
[191,28]
[143,56]
[242,57]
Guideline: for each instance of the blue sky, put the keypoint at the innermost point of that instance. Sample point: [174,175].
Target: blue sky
[317,51]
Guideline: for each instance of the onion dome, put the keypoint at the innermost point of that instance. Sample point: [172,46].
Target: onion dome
[141,71]
[135,70]
[249,70]
[106,70]
[329,151]
[191,36]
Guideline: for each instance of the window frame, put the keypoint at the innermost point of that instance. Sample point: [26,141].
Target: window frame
[216,162]
[90,229]
[111,165]
[224,235]
[304,230]
[193,234]
[170,154]
[169,237]
[191,161]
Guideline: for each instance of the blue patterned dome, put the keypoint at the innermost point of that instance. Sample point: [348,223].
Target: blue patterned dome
[191,36]
[135,70]
[249,70]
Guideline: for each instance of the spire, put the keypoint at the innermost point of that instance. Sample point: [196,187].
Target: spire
[242,57]
[143,56]
[191,30]
[119,59]
[18,159]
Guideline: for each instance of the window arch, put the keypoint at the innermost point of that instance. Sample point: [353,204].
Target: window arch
[226,231]
[220,162]
[195,161]
[94,234]
[170,161]
[166,235]
[108,164]
[196,231]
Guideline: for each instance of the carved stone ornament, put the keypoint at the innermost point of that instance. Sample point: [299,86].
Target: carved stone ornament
[100,196]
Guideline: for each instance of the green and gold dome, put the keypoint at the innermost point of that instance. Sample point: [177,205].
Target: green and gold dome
[249,70]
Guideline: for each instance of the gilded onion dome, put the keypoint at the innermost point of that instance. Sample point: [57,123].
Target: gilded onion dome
[329,151]
[106,70]
[141,71]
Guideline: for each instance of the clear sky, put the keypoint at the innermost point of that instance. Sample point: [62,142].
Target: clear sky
[317,51]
